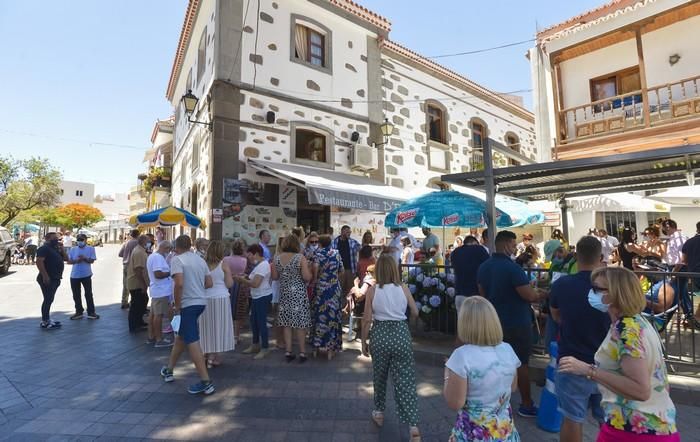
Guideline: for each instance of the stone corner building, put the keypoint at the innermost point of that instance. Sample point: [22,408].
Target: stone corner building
[294,96]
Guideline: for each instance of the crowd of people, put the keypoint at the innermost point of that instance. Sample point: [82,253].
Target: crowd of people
[610,356]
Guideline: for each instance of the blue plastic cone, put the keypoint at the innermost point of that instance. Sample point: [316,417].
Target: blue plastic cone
[548,418]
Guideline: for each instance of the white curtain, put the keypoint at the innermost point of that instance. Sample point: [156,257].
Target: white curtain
[300,40]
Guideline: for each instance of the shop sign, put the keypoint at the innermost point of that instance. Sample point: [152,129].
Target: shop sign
[349,200]
[552,219]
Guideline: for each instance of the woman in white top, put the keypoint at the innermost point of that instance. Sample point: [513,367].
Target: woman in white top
[407,254]
[260,297]
[480,375]
[391,344]
[216,322]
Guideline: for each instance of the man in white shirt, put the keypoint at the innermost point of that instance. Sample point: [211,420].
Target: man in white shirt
[673,259]
[608,243]
[395,245]
[191,278]
[67,241]
[161,291]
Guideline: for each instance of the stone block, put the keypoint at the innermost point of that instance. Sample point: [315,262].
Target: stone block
[312,85]
[258,141]
[394,77]
[251,152]
[256,58]
[254,102]
[247,29]
[396,142]
[397,120]
[405,112]
[346,102]
[397,182]
[350,67]
[350,44]
[420,160]
[396,99]
[282,122]
[266,17]
[402,90]
[271,138]
[242,135]
[274,108]
[453,128]
[361,128]
[419,137]
[256,117]
[299,113]
[389,107]
[272,47]
[397,159]
[387,84]
[391,170]
[363,58]
[274,81]
[317,118]
[360,92]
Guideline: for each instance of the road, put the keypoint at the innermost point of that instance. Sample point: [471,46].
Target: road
[93,380]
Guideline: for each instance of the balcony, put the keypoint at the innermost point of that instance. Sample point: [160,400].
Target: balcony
[667,104]
[157,177]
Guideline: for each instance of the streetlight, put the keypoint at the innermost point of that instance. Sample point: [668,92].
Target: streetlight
[387,129]
[189,101]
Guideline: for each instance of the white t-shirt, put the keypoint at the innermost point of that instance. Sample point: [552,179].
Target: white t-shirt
[159,288]
[609,243]
[193,269]
[67,241]
[264,289]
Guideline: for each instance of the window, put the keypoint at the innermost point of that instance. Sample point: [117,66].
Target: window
[310,146]
[513,143]
[617,83]
[188,84]
[436,124]
[311,42]
[78,193]
[195,154]
[478,132]
[202,55]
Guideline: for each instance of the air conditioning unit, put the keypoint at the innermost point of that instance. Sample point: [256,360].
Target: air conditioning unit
[364,158]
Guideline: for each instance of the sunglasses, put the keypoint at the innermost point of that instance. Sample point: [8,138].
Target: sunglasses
[313,242]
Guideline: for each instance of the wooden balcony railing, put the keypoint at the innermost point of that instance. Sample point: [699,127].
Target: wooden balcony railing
[666,103]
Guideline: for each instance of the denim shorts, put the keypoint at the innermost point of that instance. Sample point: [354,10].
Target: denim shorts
[189,330]
[575,394]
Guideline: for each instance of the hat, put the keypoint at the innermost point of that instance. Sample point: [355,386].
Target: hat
[550,247]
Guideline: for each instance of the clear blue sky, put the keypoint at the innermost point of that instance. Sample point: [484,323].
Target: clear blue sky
[84,71]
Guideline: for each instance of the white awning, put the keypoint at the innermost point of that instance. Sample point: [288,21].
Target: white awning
[626,202]
[687,196]
[331,188]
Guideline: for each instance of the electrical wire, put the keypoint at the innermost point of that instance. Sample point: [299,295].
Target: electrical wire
[240,41]
[255,47]
[73,140]
[479,51]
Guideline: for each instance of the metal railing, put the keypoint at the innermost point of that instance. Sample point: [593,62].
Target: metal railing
[434,289]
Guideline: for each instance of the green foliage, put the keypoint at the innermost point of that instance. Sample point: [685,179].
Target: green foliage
[25,185]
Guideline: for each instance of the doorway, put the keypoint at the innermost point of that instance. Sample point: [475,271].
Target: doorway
[312,217]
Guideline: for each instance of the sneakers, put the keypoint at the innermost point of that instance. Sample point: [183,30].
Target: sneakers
[167,374]
[163,343]
[50,325]
[167,329]
[530,411]
[150,341]
[76,316]
[93,316]
[205,387]
[252,349]
[262,353]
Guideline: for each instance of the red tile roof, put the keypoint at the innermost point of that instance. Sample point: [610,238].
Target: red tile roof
[364,13]
[476,88]
[593,14]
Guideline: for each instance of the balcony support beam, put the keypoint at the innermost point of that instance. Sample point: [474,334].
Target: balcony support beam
[643,78]
[558,103]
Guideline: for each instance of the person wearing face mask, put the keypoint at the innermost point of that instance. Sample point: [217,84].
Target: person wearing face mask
[81,258]
[582,328]
[49,261]
[504,283]
[326,331]
[629,366]
[137,283]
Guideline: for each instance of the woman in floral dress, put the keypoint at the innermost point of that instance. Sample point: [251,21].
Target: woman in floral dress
[326,332]
[480,375]
[629,365]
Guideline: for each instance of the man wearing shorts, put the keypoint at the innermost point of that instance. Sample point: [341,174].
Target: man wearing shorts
[161,290]
[191,278]
[507,286]
[582,330]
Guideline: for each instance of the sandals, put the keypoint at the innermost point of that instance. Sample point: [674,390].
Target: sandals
[414,434]
[378,418]
[302,358]
[289,356]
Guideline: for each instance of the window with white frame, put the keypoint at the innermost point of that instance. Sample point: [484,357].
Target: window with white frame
[202,55]
[312,144]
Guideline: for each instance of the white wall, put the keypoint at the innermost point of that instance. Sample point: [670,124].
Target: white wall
[686,218]
[577,72]
[679,38]
[69,195]
[579,223]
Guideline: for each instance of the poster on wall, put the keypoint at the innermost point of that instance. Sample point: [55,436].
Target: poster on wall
[250,207]
[288,200]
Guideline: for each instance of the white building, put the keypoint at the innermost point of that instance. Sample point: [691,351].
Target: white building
[288,112]
[77,192]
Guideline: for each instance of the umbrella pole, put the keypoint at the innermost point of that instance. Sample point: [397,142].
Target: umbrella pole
[490,187]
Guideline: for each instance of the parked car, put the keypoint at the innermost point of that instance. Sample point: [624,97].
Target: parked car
[7,245]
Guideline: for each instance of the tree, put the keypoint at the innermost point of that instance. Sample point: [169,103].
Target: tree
[75,216]
[26,185]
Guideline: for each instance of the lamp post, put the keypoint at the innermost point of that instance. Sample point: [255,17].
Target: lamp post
[189,101]
[564,217]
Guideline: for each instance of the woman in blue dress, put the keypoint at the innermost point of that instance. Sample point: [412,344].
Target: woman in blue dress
[327,331]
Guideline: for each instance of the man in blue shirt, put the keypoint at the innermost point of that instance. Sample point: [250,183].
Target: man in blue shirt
[466,260]
[507,286]
[82,257]
[49,262]
[582,330]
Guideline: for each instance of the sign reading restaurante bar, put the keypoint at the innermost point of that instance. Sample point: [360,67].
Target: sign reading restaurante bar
[349,200]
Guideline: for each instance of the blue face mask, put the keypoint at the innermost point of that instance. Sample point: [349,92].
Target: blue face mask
[81,243]
[595,299]
[557,261]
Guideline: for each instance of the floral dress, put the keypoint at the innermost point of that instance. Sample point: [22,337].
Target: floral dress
[486,414]
[326,304]
[636,337]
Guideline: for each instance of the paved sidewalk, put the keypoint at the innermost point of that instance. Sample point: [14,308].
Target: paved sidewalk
[93,380]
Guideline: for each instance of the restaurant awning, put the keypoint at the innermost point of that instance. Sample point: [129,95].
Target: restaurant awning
[647,170]
[331,188]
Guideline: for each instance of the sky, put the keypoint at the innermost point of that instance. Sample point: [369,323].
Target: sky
[84,81]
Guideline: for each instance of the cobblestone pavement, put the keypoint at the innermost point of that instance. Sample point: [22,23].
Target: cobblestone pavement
[93,380]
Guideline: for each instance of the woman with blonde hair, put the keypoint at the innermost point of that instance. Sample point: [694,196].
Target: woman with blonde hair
[294,315]
[216,323]
[629,366]
[480,375]
[390,344]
